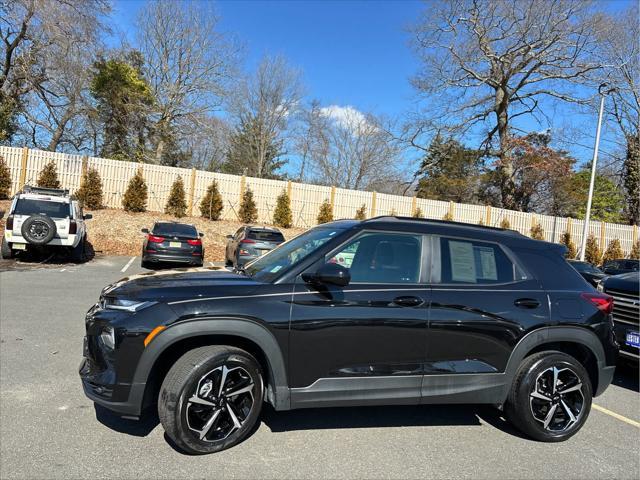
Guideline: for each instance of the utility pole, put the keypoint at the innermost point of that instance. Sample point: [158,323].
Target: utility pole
[585,228]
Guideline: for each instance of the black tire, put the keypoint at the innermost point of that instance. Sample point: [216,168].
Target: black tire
[184,421]
[77,252]
[38,229]
[536,373]
[5,249]
[145,264]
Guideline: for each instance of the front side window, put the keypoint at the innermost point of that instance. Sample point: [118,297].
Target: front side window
[279,260]
[472,262]
[381,258]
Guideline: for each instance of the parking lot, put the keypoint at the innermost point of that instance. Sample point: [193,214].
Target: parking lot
[49,429]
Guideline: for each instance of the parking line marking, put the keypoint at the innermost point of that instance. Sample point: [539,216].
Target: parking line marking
[616,415]
[62,269]
[124,269]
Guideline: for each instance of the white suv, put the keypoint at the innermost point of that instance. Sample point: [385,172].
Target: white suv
[44,217]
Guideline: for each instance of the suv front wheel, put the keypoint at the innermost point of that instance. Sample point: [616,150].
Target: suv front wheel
[550,398]
[211,399]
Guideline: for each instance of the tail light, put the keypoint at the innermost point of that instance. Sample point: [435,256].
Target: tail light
[195,242]
[155,239]
[247,240]
[73,227]
[9,222]
[602,302]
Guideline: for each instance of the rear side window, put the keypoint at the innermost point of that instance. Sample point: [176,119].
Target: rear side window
[265,236]
[174,230]
[25,206]
[472,262]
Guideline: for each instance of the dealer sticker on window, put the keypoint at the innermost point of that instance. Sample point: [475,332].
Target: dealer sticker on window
[633,339]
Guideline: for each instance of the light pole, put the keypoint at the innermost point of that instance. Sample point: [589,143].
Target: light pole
[585,228]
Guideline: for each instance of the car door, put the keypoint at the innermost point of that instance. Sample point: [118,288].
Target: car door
[363,343]
[482,303]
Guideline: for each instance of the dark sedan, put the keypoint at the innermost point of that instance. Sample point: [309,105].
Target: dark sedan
[172,242]
[589,272]
[249,243]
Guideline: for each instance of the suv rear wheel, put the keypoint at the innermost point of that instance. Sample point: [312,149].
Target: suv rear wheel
[550,398]
[211,398]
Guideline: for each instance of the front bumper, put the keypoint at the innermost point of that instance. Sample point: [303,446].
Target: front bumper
[626,351]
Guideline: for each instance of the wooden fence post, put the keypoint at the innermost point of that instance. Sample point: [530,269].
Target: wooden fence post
[452,210]
[634,235]
[243,186]
[373,204]
[414,205]
[290,190]
[23,168]
[85,167]
[192,189]
[569,226]
[487,220]
[332,199]
[602,235]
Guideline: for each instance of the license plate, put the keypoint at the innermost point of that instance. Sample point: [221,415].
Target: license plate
[19,246]
[175,244]
[633,339]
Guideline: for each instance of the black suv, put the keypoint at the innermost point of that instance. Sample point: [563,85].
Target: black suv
[416,311]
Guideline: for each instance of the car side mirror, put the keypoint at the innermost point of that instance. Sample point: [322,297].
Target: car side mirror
[201,234]
[329,273]
[145,230]
[88,216]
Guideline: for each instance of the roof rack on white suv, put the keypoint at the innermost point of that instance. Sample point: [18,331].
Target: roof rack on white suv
[46,191]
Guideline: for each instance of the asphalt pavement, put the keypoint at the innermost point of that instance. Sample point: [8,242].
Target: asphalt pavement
[49,429]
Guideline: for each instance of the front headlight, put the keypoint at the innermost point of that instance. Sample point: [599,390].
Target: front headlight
[108,338]
[127,305]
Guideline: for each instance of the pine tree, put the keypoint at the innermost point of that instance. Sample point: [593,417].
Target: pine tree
[418,213]
[48,177]
[5,179]
[566,240]
[282,216]
[211,205]
[177,202]
[448,217]
[613,251]
[592,253]
[90,192]
[537,232]
[361,213]
[135,197]
[635,251]
[248,210]
[325,214]
[505,223]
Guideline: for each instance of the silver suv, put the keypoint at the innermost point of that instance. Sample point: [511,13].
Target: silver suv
[45,217]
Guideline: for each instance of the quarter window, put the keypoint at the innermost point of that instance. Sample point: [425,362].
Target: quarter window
[381,258]
[471,262]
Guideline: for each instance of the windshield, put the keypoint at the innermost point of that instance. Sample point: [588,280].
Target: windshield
[26,206]
[586,268]
[280,259]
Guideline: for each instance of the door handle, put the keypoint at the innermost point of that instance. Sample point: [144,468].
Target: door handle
[527,303]
[408,301]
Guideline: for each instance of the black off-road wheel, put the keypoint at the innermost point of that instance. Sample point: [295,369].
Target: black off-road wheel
[550,398]
[211,399]
[5,249]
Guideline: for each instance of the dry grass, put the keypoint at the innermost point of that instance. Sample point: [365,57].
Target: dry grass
[116,232]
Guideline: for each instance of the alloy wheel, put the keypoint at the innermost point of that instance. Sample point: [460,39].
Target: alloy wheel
[221,403]
[557,400]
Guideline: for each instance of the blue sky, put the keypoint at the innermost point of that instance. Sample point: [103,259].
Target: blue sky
[352,52]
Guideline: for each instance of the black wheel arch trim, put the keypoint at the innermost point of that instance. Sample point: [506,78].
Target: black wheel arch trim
[569,334]
[239,327]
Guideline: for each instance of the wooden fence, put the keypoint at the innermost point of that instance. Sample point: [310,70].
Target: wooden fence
[25,164]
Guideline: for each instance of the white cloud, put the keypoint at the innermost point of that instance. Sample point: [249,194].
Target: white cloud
[346,117]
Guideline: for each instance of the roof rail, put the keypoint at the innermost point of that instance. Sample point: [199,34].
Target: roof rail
[59,192]
[443,222]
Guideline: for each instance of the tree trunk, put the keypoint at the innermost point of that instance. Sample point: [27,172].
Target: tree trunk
[505,169]
[632,178]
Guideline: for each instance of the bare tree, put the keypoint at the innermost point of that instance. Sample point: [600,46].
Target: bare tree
[487,62]
[189,63]
[263,105]
[621,56]
[349,149]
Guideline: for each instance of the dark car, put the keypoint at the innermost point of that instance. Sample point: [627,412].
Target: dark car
[590,272]
[172,242]
[619,266]
[249,243]
[426,312]
[625,289]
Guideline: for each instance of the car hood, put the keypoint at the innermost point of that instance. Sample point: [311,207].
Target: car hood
[178,284]
[627,281]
